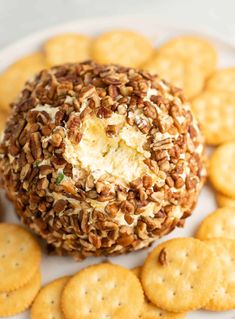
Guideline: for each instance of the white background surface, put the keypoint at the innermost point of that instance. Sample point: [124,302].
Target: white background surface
[21,17]
[18,18]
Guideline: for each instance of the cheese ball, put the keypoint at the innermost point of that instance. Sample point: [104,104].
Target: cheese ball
[101,159]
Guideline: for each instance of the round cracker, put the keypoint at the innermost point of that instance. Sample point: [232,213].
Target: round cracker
[47,303]
[178,71]
[224,296]
[150,311]
[220,223]
[67,48]
[122,47]
[13,79]
[222,80]
[180,267]
[216,114]
[20,256]
[222,169]
[225,201]
[14,302]
[195,50]
[103,291]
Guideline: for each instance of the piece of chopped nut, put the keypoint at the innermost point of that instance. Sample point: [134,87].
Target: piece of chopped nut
[162,258]
[112,130]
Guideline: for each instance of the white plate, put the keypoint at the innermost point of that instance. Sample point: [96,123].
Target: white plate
[53,267]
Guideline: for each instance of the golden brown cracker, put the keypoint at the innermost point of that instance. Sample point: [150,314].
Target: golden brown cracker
[13,79]
[47,303]
[220,223]
[180,267]
[150,311]
[196,50]
[222,169]
[103,291]
[67,48]
[137,271]
[224,296]
[215,111]
[20,256]
[124,47]
[222,80]
[177,71]
[225,201]
[14,302]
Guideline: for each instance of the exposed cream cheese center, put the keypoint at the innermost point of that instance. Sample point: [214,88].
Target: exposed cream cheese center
[121,156]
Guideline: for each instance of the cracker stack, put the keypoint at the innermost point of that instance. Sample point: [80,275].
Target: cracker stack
[178,276]
[20,276]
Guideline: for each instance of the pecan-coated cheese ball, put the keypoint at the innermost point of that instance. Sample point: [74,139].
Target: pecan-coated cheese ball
[101,159]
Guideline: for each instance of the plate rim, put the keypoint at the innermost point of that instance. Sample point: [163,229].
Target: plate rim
[41,35]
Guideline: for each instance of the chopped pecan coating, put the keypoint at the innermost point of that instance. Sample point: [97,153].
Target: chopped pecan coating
[64,201]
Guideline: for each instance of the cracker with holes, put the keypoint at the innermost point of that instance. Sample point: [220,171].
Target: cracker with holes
[195,50]
[14,302]
[215,111]
[20,256]
[222,169]
[13,79]
[178,71]
[47,303]
[67,48]
[150,311]
[224,296]
[180,267]
[220,223]
[222,80]
[225,201]
[104,291]
[122,47]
